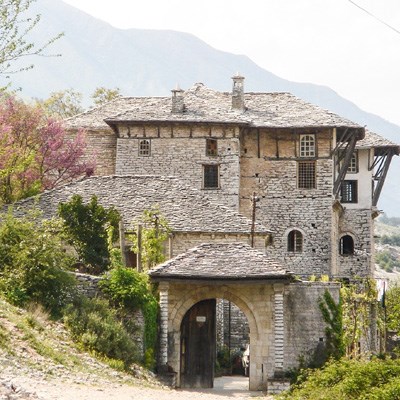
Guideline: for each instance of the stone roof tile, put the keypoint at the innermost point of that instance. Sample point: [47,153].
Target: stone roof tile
[373,140]
[233,261]
[202,104]
[185,208]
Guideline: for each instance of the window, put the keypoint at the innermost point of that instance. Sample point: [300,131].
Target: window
[210,176]
[295,241]
[306,175]
[348,192]
[144,147]
[353,166]
[346,245]
[211,147]
[307,146]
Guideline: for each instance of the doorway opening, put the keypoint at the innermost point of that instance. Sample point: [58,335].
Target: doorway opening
[215,340]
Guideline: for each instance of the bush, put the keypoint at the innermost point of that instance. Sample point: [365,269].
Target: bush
[129,289]
[85,226]
[95,325]
[349,379]
[33,264]
[387,261]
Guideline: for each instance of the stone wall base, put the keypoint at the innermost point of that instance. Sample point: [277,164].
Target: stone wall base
[276,386]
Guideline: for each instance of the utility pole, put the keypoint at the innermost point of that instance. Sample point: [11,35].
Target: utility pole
[254,200]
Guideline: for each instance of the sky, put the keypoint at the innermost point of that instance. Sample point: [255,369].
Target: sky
[328,42]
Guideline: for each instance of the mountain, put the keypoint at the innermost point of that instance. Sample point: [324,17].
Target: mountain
[152,62]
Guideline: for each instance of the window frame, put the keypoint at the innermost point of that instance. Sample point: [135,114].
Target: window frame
[294,241]
[353,165]
[307,145]
[349,246]
[208,179]
[303,181]
[211,147]
[144,147]
[350,195]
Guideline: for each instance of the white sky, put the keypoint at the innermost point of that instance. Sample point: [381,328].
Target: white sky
[328,42]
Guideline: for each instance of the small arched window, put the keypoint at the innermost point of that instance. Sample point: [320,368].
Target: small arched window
[307,146]
[346,245]
[144,147]
[295,241]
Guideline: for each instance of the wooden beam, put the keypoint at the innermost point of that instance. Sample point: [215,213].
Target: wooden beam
[349,150]
[381,179]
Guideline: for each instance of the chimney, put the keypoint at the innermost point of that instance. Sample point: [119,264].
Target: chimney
[178,106]
[238,93]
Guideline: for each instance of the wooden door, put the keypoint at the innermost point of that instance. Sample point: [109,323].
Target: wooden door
[198,346]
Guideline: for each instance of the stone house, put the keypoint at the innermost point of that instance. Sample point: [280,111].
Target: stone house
[316,176]
[229,170]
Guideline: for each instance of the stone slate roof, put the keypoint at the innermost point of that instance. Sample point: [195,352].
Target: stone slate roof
[376,141]
[269,110]
[185,208]
[233,261]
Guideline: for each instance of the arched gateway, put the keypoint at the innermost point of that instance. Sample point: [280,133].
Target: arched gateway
[188,285]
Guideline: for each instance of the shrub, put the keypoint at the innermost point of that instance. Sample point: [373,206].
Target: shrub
[129,289]
[85,226]
[349,379]
[95,325]
[33,264]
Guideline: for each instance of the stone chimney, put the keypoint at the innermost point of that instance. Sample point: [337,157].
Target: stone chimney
[178,105]
[238,93]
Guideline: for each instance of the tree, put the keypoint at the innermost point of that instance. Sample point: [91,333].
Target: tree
[154,234]
[14,32]
[35,151]
[62,104]
[103,95]
[86,226]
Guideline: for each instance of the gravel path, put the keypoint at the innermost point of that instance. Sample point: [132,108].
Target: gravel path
[28,388]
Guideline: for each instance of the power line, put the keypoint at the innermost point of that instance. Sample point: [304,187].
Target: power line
[374,16]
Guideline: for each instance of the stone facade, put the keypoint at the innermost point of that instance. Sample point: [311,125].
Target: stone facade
[284,322]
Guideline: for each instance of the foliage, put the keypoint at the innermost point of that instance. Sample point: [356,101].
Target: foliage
[14,35]
[155,232]
[387,261]
[393,221]
[393,240]
[103,95]
[35,152]
[85,226]
[62,104]
[332,315]
[95,325]
[349,379]
[33,263]
[129,289]
[392,303]
[357,299]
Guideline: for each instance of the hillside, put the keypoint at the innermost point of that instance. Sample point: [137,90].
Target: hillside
[152,62]
[35,353]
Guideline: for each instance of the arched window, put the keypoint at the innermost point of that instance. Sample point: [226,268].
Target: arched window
[295,241]
[144,147]
[307,146]
[346,245]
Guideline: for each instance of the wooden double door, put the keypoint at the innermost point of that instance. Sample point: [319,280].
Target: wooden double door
[198,345]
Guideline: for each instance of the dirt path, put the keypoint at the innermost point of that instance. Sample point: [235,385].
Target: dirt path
[28,388]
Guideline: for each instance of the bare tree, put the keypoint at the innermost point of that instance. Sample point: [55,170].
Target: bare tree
[15,27]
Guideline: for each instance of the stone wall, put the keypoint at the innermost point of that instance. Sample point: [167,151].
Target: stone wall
[269,168]
[182,242]
[359,224]
[101,145]
[181,151]
[305,336]
[88,285]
